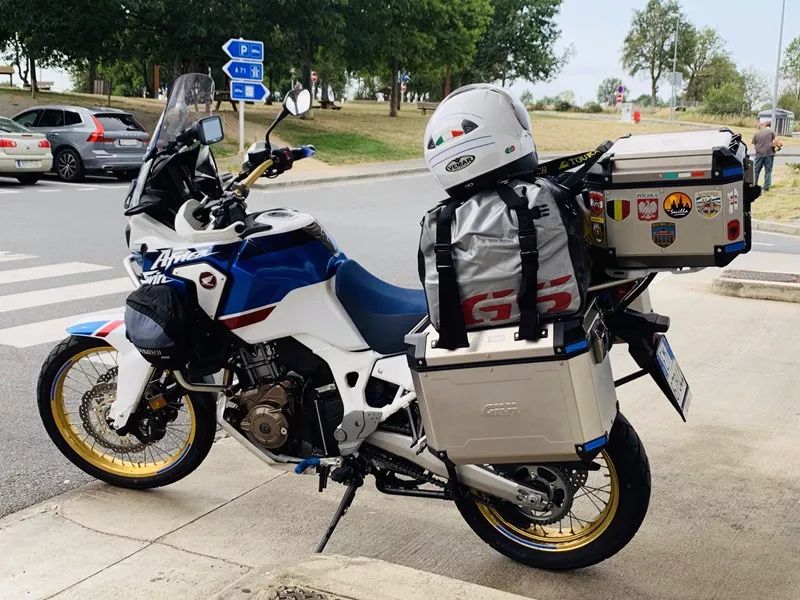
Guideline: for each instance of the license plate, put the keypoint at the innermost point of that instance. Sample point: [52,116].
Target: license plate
[672,372]
[29,164]
[129,143]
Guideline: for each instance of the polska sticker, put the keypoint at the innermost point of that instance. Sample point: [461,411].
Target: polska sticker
[596,202]
[647,207]
[733,201]
[708,203]
[618,209]
[734,230]
[459,162]
[677,205]
[663,234]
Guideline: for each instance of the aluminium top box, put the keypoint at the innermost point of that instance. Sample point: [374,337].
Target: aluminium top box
[504,400]
[672,200]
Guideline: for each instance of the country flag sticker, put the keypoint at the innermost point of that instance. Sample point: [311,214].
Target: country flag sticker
[618,209]
[596,202]
[734,230]
[733,201]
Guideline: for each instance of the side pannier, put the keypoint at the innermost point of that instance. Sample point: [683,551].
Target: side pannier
[157,323]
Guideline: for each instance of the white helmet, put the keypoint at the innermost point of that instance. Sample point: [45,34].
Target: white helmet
[478,135]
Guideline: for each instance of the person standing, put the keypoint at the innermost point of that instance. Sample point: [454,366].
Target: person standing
[765,144]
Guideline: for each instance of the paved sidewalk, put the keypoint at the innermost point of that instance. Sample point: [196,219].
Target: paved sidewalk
[723,521]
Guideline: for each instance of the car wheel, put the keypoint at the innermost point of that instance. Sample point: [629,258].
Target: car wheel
[29,178]
[68,165]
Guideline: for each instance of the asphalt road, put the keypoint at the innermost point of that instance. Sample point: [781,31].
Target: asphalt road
[73,235]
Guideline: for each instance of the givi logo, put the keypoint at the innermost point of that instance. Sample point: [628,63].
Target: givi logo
[208,280]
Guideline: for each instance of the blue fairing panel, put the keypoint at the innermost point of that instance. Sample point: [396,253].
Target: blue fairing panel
[383,313]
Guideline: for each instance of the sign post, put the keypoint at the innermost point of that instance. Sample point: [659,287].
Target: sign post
[246,71]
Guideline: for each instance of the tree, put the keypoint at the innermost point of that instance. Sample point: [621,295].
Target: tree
[698,48]
[519,43]
[756,88]
[649,45]
[719,71]
[526,97]
[791,66]
[726,99]
[606,91]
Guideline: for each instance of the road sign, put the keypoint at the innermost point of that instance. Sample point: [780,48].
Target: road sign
[240,69]
[244,49]
[313,77]
[248,91]
[620,89]
[403,87]
[620,97]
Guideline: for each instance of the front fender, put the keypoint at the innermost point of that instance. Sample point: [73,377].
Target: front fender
[134,372]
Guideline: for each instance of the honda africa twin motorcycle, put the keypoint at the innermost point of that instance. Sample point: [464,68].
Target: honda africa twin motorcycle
[298,353]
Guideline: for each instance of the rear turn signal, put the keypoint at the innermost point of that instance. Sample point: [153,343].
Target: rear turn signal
[44,144]
[5,143]
[98,135]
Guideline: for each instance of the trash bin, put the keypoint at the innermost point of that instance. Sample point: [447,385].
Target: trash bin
[784,120]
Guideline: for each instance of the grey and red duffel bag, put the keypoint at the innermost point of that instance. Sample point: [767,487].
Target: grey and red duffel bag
[508,254]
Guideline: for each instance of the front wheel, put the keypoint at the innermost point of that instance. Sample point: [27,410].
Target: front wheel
[78,383]
[68,165]
[592,516]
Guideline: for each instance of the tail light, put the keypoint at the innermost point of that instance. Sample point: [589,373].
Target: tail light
[6,143]
[44,144]
[99,133]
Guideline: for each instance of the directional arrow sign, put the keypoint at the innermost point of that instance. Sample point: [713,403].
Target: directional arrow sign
[249,71]
[243,90]
[246,49]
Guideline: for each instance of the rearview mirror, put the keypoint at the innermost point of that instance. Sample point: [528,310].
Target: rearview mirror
[297,102]
[209,130]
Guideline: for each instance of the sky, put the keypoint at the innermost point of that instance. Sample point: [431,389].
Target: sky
[597,28]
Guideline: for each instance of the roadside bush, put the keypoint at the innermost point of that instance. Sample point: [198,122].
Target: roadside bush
[563,106]
[592,107]
[794,168]
[725,99]
[539,105]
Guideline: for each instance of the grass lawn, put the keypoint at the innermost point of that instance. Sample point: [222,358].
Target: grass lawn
[782,201]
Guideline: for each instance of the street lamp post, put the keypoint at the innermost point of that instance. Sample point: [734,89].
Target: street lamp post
[777,70]
[674,65]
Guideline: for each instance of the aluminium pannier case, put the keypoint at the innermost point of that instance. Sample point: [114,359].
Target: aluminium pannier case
[672,200]
[504,400]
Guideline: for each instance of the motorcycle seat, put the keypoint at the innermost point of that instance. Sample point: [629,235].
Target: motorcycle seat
[383,313]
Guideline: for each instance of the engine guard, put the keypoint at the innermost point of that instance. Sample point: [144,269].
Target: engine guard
[134,372]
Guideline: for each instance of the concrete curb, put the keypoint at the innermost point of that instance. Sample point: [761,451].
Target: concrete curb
[771,226]
[335,577]
[760,290]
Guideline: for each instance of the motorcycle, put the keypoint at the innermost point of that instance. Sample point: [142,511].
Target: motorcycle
[298,353]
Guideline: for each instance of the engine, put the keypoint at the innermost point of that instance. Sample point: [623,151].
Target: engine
[288,403]
[269,411]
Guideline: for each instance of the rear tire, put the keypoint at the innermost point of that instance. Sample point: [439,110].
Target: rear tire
[29,178]
[69,433]
[69,166]
[627,462]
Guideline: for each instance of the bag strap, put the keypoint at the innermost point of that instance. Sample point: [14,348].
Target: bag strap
[560,165]
[529,326]
[452,328]
[574,181]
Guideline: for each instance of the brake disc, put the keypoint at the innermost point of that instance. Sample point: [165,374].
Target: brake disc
[558,484]
[96,402]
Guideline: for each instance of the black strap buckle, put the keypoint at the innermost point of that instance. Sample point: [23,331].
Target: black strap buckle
[444,256]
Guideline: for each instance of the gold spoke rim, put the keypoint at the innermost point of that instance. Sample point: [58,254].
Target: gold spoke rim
[80,374]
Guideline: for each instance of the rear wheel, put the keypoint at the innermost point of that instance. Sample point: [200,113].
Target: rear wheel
[593,514]
[29,178]
[68,165]
[77,385]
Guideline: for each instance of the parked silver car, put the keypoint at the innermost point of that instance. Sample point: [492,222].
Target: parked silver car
[89,140]
[23,153]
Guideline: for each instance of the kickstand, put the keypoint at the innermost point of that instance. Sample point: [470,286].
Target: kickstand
[345,503]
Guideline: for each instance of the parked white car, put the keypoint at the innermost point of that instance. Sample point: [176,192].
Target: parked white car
[23,154]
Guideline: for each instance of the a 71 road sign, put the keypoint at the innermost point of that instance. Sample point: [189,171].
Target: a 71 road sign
[245,49]
[249,71]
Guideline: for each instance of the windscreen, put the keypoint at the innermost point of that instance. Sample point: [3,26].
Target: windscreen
[190,99]
[119,122]
[9,126]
